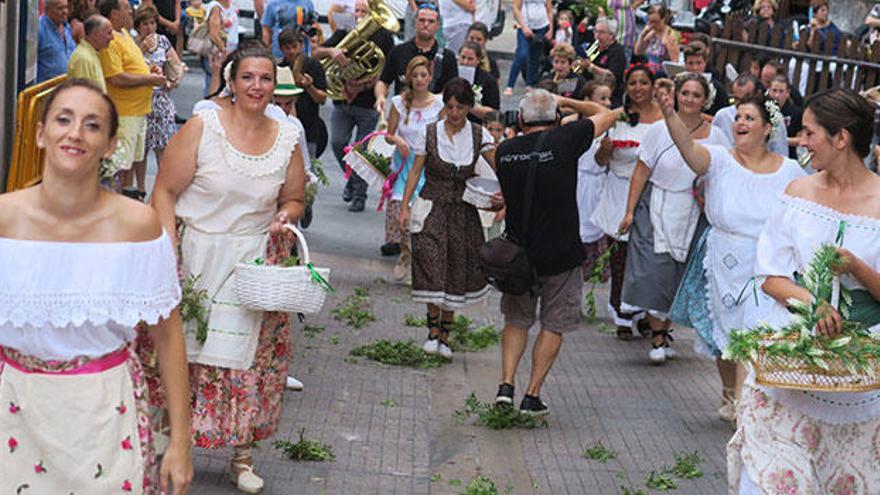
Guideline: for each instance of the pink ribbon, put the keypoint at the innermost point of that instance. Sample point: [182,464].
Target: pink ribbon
[98,365]
[388,186]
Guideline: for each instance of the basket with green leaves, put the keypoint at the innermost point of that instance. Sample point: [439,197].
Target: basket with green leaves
[370,158]
[287,287]
[797,357]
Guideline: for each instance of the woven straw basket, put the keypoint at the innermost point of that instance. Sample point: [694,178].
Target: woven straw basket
[362,166]
[287,289]
[793,373]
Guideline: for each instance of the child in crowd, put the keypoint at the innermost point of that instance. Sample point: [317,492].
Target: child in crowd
[492,221]
[591,182]
[663,87]
[195,13]
[564,27]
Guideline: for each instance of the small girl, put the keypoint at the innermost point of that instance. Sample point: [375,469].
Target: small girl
[663,87]
[196,13]
[564,27]
[591,182]
[492,221]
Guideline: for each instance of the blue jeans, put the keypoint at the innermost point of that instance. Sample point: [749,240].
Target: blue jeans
[342,121]
[528,54]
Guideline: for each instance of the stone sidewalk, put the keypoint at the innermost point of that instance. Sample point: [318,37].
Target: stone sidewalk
[601,389]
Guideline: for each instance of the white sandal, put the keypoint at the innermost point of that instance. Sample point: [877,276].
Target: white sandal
[245,479]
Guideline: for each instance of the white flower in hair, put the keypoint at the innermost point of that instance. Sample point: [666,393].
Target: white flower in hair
[776,118]
[478,94]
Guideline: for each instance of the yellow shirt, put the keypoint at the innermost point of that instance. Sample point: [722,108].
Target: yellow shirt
[124,56]
[197,14]
[86,64]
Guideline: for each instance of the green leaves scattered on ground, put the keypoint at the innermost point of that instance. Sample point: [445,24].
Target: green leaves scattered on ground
[632,491]
[398,353]
[436,477]
[465,339]
[495,417]
[305,449]
[334,339]
[357,309]
[483,485]
[310,331]
[414,321]
[599,453]
[660,481]
[686,465]
[606,328]
[389,403]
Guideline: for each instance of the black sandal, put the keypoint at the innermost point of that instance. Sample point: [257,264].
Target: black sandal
[432,323]
[445,327]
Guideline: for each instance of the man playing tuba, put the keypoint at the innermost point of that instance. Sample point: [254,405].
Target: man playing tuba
[353,106]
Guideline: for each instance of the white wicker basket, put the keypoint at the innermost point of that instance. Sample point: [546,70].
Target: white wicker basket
[478,191]
[362,167]
[287,289]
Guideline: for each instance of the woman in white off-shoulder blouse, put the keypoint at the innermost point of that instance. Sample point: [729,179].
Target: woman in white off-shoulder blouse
[799,441]
[80,267]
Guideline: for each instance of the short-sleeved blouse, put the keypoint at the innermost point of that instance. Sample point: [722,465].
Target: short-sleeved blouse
[733,191]
[796,229]
[669,171]
[62,300]
[413,128]
[159,56]
[459,150]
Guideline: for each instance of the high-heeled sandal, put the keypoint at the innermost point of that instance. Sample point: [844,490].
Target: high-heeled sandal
[660,351]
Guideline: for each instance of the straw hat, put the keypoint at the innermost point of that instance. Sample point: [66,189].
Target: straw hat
[285,85]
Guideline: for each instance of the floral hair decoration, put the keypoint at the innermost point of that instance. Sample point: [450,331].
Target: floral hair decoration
[776,118]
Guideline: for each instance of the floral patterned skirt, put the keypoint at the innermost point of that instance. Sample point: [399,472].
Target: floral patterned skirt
[160,122]
[233,407]
[79,426]
[783,451]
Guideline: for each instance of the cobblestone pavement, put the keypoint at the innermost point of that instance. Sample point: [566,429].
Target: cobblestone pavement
[600,390]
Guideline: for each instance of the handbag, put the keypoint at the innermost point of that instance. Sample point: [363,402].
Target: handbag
[199,41]
[504,260]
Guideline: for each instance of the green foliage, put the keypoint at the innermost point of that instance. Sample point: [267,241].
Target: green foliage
[317,168]
[631,491]
[334,339]
[356,311]
[590,8]
[483,485]
[599,453]
[465,339]
[855,348]
[389,403]
[398,353]
[414,321]
[379,162]
[436,477]
[496,417]
[311,331]
[305,449]
[660,482]
[686,466]
[599,267]
[192,307]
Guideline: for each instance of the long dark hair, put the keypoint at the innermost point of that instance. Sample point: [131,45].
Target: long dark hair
[837,109]
[640,64]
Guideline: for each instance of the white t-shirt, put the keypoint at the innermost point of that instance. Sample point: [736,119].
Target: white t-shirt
[534,14]
[453,14]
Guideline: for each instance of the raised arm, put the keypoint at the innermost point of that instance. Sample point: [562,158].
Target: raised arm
[695,154]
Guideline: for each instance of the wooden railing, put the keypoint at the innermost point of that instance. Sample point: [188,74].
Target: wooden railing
[26,167]
[853,66]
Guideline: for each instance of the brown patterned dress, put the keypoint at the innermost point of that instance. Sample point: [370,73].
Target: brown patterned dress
[445,264]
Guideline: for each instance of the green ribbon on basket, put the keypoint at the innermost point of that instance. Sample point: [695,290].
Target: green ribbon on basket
[318,279]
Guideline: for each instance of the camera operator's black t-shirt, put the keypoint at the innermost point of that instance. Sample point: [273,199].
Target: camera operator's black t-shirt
[553,240]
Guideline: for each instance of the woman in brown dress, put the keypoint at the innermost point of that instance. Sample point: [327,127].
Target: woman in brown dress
[446,231]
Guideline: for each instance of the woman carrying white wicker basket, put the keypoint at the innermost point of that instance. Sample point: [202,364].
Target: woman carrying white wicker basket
[232,176]
[805,441]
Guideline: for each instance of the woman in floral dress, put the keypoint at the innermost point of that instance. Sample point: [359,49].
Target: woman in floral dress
[80,267]
[446,231]
[158,51]
[800,441]
[238,177]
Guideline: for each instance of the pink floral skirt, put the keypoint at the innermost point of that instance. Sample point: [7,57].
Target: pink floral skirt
[784,451]
[78,426]
[233,407]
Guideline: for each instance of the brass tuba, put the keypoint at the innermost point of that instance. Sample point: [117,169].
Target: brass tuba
[365,58]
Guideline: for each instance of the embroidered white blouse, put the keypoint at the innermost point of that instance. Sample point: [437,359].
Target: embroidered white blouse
[796,229]
[62,300]
[460,149]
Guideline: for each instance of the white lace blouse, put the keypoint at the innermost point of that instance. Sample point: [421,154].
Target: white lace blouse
[796,229]
[61,300]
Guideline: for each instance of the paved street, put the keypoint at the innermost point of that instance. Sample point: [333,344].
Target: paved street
[601,390]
